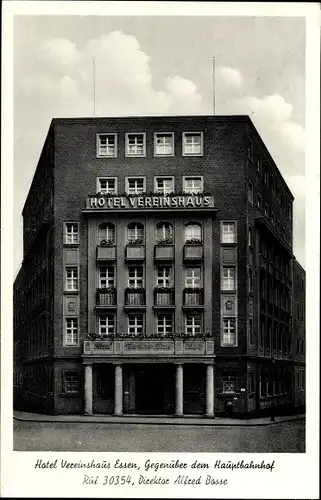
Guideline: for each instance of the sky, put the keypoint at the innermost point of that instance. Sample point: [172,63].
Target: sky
[161,65]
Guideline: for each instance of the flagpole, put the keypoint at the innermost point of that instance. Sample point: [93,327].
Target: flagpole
[214,86]
[94,85]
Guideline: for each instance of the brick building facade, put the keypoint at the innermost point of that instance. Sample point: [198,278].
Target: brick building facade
[157,271]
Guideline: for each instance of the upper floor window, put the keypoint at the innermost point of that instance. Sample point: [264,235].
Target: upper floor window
[259,201]
[135,185]
[71,332]
[250,280]
[107,185]
[193,184]
[106,234]
[250,236]
[107,145]
[135,232]
[135,277]
[228,281]
[192,143]
[71,279]
[266,209]
[250,149]
[106,276]
[193,232]
[136,144]
[164,144]
[250,192]
[193,324]
[135,324]
[229,331]
[272,218]
[107,324]
[164,232]
[258,163]
[193,277]
[164,185]
[165,324]
[72,233]
[228,234]
[164,276]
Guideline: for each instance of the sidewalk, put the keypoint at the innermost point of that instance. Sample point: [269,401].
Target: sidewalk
[159,420]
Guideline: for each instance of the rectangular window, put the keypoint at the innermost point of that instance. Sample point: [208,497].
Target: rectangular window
[106,276]
[164,324]
[71,233]
[71,279]
[266,209]
[193,184]
[164,144]
[228,281]
[250,236]
[107,145]
[250,280]
[107,324]
[258,163]
[107,185]
[135,324]
[250,192]
[164,276]
[135,277]
[229,332]
[228,384]
[193,277]
[259,201]
[193,324]
[135,185]
[164,185]
[228,232]
[136,144]
[251,382]
[192,143]
[71,382]
[250,149]
[71,331]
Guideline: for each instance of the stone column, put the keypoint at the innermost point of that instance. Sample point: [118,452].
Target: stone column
[209,390]
[88,389]
[179,390]
[118,390]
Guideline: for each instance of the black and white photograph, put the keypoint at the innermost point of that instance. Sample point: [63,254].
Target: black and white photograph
[159,227]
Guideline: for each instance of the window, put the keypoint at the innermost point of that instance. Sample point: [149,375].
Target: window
[259,201]
[107,145]
[71,279]
[193,324]
[107,185]
[229,331]
[71,383]
[164,144]
[135,324]
[164,324]
[164,276]
[266,209]
[135,233]
[193,232]
[193,277]
[193,185]
[272,218]
[228,232]
[250,193]
[250,281]
[136,144]
[250,236]
[135,185]
[164,232]
[250,331]
[164,185]
[107,324]
[228,282]
[106,276]
[258,163]
[71,331]
[106,234]
[192,143]
[228,384]
[71,233]
[135,277]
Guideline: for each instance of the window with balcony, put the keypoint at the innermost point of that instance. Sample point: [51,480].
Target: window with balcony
[135,185]
[71,233]
[164,144]
[164,276]
[164,324]
[193,324]
[135,233]
[229,384]
[229,332]
[71,332]
[135,277]
[106,276]
[164,233]
[107,234]
[71,279]
[193,184]
[193,233]
[193,277]
[250,192]
[107,145]
[228,232]
[71,382]
[192,144]
[228,278]
[164,185]
[107,185]
[107,324]
[135,325]
[136,144]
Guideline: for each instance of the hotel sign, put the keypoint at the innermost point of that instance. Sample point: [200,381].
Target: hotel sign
[103,202]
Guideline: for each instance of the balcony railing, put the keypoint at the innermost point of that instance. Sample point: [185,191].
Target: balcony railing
[106,297]
[135,252]
[164,297]
[164,252]
[106,252]
[135,297]
[193,251]
[193,297]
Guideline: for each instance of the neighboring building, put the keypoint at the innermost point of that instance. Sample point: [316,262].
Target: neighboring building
[298,335]
[157,271]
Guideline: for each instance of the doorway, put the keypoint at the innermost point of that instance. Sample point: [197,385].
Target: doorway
[155,389]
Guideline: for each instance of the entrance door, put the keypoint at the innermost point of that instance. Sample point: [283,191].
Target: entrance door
[154,389]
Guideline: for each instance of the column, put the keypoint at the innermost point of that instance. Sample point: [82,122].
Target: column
[179,390]
[118,390]
[209,390]
[88,389]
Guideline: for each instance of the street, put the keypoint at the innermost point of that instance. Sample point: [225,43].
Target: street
[287,437]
